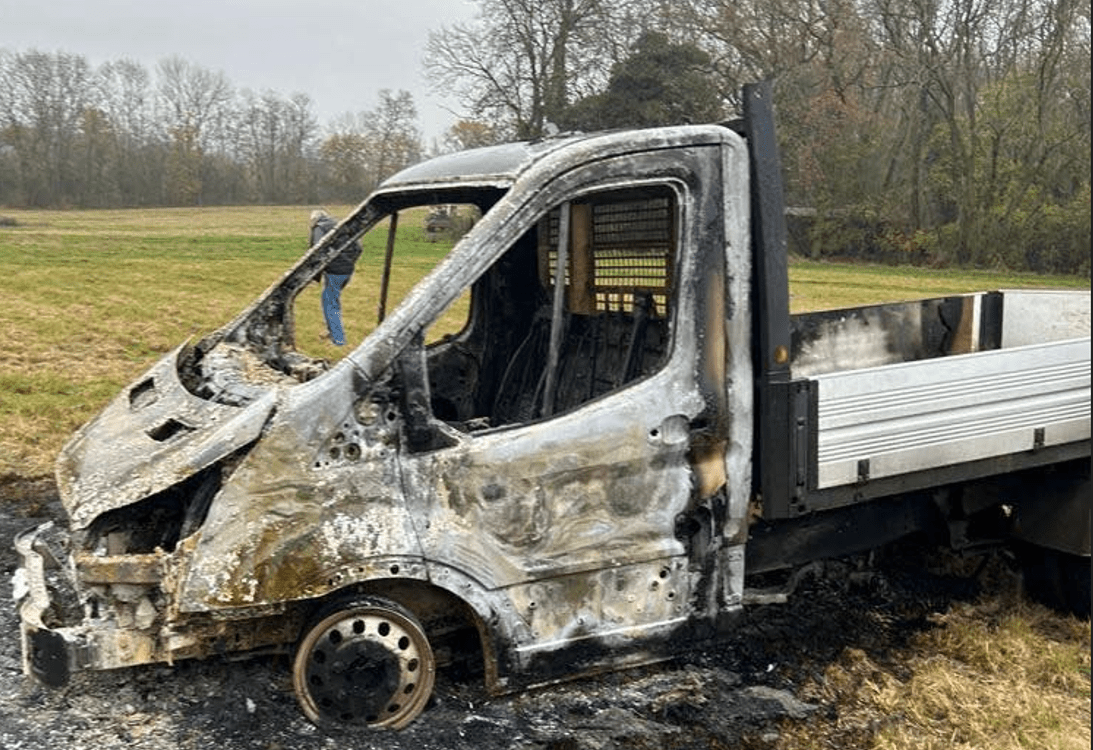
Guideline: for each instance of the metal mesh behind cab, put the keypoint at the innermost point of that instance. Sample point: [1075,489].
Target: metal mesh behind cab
[631,252]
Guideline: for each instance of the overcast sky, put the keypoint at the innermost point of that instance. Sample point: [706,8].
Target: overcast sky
[338,52]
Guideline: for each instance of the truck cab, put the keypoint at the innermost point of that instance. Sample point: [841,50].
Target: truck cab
[568,473]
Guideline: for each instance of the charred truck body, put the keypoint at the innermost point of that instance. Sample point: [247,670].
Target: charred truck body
[629,422]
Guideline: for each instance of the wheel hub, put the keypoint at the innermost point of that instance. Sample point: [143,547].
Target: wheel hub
[369,665]
[357,678]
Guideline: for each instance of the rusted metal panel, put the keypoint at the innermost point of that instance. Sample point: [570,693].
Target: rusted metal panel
[125,569]
[318,497]
[124,454]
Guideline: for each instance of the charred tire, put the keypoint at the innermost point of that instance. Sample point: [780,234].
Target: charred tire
[1056,579]
[364,662]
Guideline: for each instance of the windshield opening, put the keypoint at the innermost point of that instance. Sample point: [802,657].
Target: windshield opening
[285,338]
[395,254]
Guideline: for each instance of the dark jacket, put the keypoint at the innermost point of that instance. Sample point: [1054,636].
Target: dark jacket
[343,263]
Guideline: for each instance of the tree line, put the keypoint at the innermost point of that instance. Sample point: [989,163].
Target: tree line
[924,131]
[72,135]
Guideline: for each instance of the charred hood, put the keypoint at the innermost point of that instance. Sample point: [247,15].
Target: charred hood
[153,435]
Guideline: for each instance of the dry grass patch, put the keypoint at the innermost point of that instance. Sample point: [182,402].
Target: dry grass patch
[1000,674]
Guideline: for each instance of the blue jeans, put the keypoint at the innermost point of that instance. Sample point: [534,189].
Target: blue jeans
[332,305]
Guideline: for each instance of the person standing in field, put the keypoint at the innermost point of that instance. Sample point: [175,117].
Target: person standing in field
[335,276]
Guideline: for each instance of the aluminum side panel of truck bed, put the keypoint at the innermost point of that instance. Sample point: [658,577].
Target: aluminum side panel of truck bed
[1034,316]
[896,419]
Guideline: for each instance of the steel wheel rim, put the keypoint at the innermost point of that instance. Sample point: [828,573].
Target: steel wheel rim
[369,665]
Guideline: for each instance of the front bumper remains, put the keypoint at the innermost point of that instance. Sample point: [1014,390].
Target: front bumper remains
[65,629]
[47,654]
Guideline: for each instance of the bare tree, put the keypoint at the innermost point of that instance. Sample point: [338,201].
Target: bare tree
[274,135]
[823,58]
[467,134]
[393,140]
[987,107]
[362,149]
[197,115]
[128,102]
[301,130]
[962,118]
[45,96]
[343,154]
[196,99]
[521,63]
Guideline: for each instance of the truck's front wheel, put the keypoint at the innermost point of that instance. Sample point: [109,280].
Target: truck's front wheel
[366,661]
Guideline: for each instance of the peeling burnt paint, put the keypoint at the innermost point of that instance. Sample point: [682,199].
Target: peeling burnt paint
[270,480]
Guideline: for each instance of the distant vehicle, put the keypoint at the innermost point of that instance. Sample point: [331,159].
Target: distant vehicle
[629,424]
[438,222]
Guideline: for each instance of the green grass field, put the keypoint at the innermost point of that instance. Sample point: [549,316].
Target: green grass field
[91,298]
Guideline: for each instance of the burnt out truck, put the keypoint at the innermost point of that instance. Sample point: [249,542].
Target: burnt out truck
[582,475]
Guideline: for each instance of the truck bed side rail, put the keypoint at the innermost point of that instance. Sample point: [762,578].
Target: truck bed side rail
[914,416]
